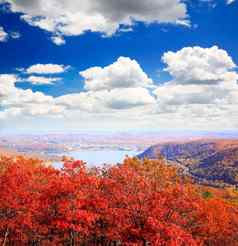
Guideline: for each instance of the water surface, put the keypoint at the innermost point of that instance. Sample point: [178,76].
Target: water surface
[99,157]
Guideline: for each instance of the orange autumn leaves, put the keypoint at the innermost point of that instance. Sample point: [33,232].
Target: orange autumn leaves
[136,203]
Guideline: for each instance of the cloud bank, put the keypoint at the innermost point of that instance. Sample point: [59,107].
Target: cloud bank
[202,93]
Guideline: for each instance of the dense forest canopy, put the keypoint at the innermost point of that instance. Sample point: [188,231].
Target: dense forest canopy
[140,202]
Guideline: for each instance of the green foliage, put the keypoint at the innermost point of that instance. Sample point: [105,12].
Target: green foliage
[207,195]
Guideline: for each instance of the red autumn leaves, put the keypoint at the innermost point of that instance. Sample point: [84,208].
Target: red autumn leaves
[137,203]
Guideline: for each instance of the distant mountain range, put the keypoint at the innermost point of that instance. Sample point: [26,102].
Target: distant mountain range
[212,160]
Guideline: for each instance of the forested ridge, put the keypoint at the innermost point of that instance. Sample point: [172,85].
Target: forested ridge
[213,161]
[140,202]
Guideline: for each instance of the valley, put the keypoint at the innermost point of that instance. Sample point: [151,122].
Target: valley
[210,159]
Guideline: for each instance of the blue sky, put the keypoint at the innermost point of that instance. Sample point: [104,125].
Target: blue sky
[110,33]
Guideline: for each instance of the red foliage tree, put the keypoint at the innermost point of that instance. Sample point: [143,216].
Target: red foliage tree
[136,203]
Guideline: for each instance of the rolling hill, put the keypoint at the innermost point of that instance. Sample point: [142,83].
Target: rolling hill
[213,160]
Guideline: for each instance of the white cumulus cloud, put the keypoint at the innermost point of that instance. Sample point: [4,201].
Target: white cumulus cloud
[6,35]
[15,101]
[40,80]
[196,65]
[46,69]
[15,35]
[124,73]
[202,93]
[58,40]
[203,84]
[105,100]
[3,35]
[7,84]
[122,85]
[68,17]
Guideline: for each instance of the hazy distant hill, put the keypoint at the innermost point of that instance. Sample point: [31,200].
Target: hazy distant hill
[213,160]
